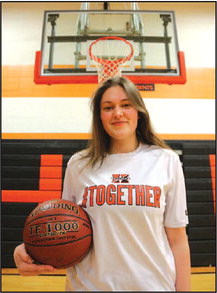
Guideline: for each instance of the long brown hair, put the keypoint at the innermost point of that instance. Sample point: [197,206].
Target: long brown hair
[100,143]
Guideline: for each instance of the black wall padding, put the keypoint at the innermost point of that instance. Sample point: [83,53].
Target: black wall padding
[201,233]
[200,195]
[20,171]
[198,183]
[198,172]
[31,147]
[24,160]
[13,217]
[12,234]
[198,148]
[16,221]
[201,220]
[201,230]
[200,208]
[202,259]
[195,160]
[207,246]
[18,209]
[20,183]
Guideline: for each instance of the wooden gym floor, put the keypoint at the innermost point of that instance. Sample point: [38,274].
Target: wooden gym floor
[203,279]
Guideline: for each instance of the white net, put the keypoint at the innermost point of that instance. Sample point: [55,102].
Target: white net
[109,55]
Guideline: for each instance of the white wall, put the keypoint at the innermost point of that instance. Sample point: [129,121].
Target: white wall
[53,115]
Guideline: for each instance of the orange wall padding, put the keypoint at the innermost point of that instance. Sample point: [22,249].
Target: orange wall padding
[50,183]
[17,81]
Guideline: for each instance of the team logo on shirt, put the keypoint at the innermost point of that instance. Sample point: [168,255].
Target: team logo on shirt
[120,178]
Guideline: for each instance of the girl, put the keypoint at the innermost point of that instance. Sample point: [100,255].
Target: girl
[132,186]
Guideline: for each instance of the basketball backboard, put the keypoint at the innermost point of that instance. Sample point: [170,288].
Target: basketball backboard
[67,36]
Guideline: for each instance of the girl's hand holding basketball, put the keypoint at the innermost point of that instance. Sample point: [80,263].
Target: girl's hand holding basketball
[25,263]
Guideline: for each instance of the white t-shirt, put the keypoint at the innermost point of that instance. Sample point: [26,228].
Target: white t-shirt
[129,199]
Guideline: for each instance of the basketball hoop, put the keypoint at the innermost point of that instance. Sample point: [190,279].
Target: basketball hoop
[109,55]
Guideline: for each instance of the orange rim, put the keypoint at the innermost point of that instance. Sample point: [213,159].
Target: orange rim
[103,61]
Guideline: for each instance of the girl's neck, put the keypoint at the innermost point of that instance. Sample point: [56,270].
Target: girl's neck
[119,147]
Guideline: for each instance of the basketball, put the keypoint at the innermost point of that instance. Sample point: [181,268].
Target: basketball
[57,233]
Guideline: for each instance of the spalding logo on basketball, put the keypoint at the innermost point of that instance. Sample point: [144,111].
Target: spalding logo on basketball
[58,233]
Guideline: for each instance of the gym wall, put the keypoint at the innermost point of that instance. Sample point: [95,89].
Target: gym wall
[42,125]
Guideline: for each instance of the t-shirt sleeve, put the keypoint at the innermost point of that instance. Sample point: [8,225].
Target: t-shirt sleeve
[176,204]
[68,186]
